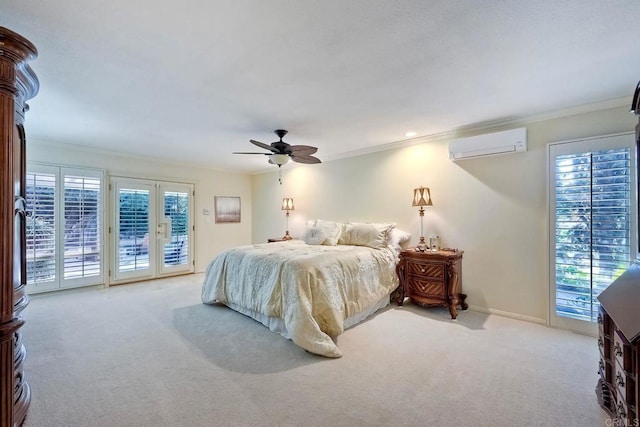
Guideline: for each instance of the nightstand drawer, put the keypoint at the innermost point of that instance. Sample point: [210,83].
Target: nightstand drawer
[424,269]
[426,287]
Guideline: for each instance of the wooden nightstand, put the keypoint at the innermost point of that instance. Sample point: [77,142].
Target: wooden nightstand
[431,279]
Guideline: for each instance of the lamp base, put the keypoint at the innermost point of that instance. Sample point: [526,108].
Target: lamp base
[287,236]
[422,245]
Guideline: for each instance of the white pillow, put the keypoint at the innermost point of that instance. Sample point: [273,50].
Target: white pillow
[314,236]
[373,235]
[332,230]
[398,239]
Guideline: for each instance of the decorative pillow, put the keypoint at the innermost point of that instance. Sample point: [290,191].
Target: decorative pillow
[314,236]
[332,230]
[398,239]
[373,235]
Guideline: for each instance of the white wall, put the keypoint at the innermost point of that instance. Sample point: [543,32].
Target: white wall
[210,238]
[494,208]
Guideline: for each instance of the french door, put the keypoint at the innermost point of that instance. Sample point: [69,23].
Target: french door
[64,227]
[151,229]
[592,231]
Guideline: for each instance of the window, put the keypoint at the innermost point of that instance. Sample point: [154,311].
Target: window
[176,208]
[41,227]
[134,229]
[591,232]
[82,255]
[64,227]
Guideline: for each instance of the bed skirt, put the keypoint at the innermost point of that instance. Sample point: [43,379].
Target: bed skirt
[276,324]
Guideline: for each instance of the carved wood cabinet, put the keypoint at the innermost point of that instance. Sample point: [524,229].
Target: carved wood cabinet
[431,279]
[18,83]
[619,344]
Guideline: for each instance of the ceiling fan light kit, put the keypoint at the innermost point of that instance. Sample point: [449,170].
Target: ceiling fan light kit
[280,152]
[279,159]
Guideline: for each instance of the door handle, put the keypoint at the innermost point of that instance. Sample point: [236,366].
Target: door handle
[164,229]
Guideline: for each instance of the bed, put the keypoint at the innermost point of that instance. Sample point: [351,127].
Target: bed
[308,290]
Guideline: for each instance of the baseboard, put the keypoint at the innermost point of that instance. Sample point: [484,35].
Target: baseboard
[508,314]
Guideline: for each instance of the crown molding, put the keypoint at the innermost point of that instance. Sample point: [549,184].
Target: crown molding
[489,126]
[461,131]
[114,153]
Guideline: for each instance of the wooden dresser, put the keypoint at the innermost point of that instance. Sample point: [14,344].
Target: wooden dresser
[619,344]
[431,279]
[18,83]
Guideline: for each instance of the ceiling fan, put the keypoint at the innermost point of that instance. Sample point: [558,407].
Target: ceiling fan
[280,152]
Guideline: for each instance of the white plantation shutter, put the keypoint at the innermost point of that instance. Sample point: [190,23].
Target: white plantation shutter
[41,228]
[64,227]
[592,227]
[176,207]
[82,208]
[133,215]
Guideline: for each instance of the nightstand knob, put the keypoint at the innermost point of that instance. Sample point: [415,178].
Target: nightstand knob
[422,270]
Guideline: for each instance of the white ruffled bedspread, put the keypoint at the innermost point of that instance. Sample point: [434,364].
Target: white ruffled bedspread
[312,288]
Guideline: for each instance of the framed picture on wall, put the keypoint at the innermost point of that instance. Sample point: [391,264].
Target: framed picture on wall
[227,209]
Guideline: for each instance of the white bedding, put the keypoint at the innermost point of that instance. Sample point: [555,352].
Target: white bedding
[312,288]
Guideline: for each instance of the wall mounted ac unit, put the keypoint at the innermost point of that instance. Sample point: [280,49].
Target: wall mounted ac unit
[489,144]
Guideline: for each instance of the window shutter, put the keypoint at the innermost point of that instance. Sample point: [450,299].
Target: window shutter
[82,226]
[134,229]
[41,228]
[592,233]
[64,227]
[176,207]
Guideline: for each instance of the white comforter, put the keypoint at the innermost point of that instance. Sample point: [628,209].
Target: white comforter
[312,288]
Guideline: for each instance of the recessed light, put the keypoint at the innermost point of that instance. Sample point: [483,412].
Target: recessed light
[410,134]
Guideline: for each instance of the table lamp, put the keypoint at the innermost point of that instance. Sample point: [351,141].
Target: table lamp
[287,205]
[422,198]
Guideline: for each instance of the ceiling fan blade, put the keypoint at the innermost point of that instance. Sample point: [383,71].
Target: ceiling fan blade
[303,150]
[243,152]
[305,159]
[263,145]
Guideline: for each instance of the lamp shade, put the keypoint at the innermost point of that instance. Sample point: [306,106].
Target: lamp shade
[422,197]
[287,204]
[279,159]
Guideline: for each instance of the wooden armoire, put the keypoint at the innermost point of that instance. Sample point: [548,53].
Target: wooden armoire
[18,83]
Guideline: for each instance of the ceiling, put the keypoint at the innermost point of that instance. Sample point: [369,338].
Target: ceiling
[193,80]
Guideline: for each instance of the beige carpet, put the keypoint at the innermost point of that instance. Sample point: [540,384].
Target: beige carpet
[150,354]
